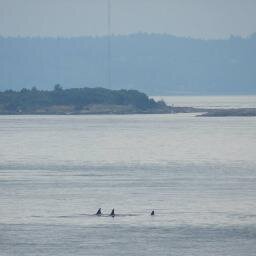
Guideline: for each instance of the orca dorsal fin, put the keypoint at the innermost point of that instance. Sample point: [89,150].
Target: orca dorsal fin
[99,212]
[152,213]
[112,212]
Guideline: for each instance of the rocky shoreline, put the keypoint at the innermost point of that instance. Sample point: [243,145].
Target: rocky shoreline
[102,109]
[230,112]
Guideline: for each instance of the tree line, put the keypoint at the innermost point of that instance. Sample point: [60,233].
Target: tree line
[28,99]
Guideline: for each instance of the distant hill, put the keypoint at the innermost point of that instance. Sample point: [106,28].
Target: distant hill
[155,64]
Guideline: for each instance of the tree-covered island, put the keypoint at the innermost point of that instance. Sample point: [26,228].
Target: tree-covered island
[86,101]
[79,101]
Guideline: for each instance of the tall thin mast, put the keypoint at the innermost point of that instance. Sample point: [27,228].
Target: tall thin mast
[109,46]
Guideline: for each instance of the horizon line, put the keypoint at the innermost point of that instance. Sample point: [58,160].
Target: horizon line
[128,35]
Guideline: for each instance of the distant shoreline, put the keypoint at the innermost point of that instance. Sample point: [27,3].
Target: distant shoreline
[98,101]
[230,112]
[119,110]
[154,63]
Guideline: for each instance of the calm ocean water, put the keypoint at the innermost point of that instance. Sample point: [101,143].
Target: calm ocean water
[197,173]
[246,101]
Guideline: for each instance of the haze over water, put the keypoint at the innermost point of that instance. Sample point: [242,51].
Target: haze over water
[197,173]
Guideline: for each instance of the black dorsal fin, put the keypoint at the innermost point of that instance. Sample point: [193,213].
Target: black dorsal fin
[112,212]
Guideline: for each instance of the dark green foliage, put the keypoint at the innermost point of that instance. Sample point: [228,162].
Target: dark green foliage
[26,99]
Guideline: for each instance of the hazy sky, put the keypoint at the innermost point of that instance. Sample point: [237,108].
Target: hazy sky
[194,18]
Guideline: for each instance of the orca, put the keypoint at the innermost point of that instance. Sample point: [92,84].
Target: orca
[112,214]
[152,213]
[98,212]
